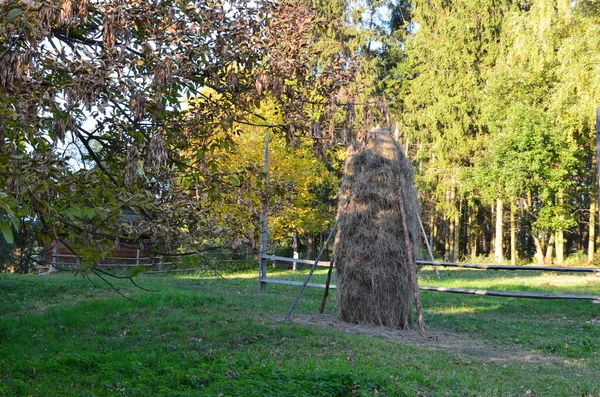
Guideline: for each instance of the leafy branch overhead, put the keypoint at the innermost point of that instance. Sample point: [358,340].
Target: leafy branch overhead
[96,114]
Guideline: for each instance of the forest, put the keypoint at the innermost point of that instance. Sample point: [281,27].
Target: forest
[143,123]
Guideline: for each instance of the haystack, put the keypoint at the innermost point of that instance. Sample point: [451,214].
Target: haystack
[377,240]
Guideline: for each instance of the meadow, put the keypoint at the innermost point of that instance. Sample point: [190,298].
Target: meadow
[200,334]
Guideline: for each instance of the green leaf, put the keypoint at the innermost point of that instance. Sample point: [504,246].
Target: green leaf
[75,210]
[89,213]
[13,15]
[138,269]
[7,232]
[15,222]
[234,180]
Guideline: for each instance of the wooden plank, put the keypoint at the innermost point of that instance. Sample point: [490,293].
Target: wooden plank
[462,265]
[285,259]
[534,295]
[131,264]
[296,283]
[509,267]
[111,257]
[530,295]
[114,265]
[192,269]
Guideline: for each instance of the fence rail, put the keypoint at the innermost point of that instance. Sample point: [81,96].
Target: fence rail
[531,295]
[535,295]
[454,264]
[510,267]
[111,262]
[286,259]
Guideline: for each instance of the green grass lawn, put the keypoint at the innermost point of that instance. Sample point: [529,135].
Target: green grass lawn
[61,335]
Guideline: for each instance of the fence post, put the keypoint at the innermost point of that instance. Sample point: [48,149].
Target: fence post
[264,229]
[54,254]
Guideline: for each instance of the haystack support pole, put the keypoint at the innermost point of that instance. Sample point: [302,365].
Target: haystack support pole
[413,266]
[327,284]
[264,229]
[437,272]
[312,270]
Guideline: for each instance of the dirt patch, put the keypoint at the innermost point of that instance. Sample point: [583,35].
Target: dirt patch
[464,346]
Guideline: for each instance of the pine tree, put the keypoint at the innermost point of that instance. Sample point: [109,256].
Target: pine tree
[450,52]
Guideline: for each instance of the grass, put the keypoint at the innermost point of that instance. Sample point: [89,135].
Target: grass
[201,335]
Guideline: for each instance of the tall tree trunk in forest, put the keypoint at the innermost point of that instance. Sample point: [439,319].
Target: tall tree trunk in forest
[485,236]
[433,236]
[513,234]
[549,250]
[449,235]
[456,242]
[310,242]
[560,247]
[492,230]
[472,232]
[539,252]
[592,230]
[434,231]
[498,255]
[450,240]
[560,235]
[296,245]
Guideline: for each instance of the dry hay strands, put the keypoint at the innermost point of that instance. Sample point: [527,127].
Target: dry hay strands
[376,243]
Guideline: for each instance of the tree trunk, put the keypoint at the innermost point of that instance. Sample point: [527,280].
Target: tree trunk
[549,250]
[296,245]
[484,240]
[310,242]
[449,237]
[539,252]
[560,247]
[559,234]
[433,231]
[472,232]
[513,234]
[592,230]
[491,232]
[456,242]
[498,254]
[450,241]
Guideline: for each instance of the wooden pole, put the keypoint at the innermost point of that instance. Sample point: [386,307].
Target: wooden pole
[428,245]
[264,229]
[413,265]
[509,267]
[327,284]
[531,295]
[312,270]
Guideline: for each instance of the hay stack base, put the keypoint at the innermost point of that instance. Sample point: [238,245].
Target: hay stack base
[373,265]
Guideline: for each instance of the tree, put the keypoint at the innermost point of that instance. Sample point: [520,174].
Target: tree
[448,57]
[300,193]
[529,159]
[574,102]
[91,115]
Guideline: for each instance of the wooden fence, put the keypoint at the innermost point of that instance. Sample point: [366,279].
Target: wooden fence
[72,261]
[534,295]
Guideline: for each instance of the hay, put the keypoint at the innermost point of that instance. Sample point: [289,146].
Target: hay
[374,260]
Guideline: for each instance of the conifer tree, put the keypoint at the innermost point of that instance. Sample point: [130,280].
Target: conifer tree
[451,50]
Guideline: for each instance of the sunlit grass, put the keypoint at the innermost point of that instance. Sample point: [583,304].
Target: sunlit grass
[203,334]
[457,309]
